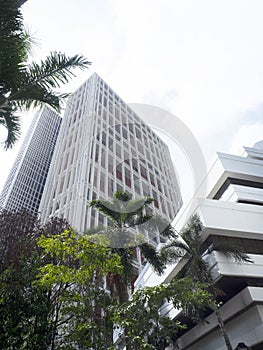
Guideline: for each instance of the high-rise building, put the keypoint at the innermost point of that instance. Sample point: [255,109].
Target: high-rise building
[25,183]
[104,146]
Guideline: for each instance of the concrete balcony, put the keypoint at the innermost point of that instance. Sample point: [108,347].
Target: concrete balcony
[243,317]
[230,219]
[222,266]
[243,170]
[220,218]
[237,193]
[256,153]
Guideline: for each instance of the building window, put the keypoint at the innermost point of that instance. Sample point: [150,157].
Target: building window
[118,151]
[143,172]
[138,133]
[110,163]
[131,128]
[135,165]
[119,172]
[124,133]
[101,219]
[104,138]
[117,113]
[102,182]
[127,177]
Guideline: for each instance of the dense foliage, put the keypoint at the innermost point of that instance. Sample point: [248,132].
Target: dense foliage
[53,295]
[145,314]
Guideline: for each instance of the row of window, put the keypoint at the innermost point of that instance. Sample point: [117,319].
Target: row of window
[113,116]
[107,185]
[141,166]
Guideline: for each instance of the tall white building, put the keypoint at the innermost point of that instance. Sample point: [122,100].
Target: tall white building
[25,183]
[232,212]
[103,146]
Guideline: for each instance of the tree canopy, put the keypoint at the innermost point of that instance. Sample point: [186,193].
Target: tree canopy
[55,292]
[125,215]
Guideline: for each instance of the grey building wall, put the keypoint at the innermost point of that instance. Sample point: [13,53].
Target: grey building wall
[25,183]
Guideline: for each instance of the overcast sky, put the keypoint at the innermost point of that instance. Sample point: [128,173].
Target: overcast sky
[201,60]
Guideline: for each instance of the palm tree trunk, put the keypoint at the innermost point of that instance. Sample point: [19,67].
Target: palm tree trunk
[223,330]
[122,289]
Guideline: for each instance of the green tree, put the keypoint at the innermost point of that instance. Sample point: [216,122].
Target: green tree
[188,246]
[73,275]
[24,84]
[25,308]
[124,216]
[50,286]
[148,327]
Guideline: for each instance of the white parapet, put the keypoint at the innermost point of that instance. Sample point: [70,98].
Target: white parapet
[231,219]
[233,167]
[242,315]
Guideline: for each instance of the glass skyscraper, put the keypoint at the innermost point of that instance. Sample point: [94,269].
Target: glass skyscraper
[25,183]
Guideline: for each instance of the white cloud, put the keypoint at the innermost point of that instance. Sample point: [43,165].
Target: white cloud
[246,135]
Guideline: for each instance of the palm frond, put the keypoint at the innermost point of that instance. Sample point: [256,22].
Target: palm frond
[232,251]
[174,250]
[137,205]
[170,256]
[12,123]
[192,231]
[55,70]
[152,256]
[123,210]
[34,96]
[108,208]
[14,48]
[179,246]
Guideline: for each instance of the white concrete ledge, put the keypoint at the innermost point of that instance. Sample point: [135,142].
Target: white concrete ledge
[256,153]
[229,166]
[243,309]
[224,266]
[237,193]
[231,219]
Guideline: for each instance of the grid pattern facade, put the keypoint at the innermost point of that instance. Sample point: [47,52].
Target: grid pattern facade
[25,183]
[104,146]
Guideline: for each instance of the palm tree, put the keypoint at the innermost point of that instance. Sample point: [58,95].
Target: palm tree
[188,246]
[24,85]
[124,215]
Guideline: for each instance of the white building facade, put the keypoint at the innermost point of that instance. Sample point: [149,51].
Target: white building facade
[25,183]
[232,212]
[103,146]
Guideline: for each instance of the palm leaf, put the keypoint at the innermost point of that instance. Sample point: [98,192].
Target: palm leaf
[55,70]
[192,231]
[152,256]
[12,123]
[108,208]
[232,251]
[175,250]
